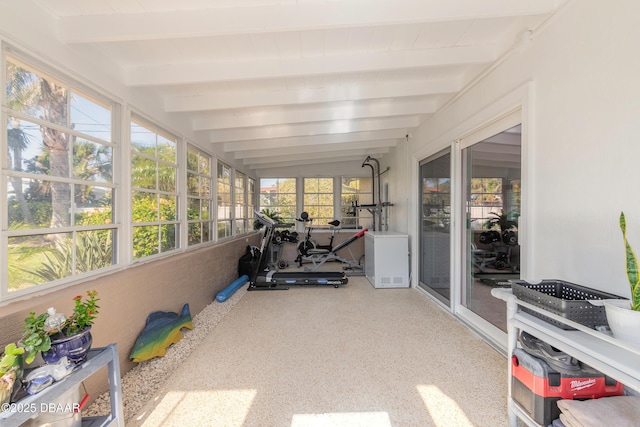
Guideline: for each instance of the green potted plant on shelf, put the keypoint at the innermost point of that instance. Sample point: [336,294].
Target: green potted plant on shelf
[54,335]
[624,315]
[11,370]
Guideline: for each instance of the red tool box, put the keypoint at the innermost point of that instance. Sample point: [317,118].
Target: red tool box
[537,387]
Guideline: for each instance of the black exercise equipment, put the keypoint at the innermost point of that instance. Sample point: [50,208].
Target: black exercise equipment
[264,279]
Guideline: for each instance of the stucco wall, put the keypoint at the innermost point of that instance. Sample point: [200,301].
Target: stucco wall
[127,297]
[584,139]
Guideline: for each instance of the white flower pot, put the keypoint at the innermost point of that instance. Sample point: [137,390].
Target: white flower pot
[624,322]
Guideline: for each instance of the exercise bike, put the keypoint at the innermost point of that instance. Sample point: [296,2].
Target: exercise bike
[308,244]
[310,251]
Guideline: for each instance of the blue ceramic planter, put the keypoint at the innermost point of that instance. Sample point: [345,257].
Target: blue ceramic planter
[74,347]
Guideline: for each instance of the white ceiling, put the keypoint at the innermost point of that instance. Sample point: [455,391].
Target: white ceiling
[294,82]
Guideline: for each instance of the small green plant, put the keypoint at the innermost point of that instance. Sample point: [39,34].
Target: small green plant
[34,338]
[11,370]
[632,267]
[11,360]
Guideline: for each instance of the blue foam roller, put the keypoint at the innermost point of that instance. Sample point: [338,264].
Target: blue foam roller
[224,294]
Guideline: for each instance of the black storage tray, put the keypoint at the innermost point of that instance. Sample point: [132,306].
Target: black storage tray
[564,299]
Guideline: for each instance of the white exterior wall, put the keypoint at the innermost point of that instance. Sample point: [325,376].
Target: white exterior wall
[583,140]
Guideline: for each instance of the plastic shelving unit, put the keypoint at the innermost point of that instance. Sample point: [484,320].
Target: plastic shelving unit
[611,356]
[96,359]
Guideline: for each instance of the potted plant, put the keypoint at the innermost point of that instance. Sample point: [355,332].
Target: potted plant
[11,370]
[54,335]
[502,220]
[624,315]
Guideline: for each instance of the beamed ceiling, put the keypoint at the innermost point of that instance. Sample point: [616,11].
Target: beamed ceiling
[277,83]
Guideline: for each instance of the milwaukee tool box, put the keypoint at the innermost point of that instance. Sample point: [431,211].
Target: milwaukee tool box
[537,387]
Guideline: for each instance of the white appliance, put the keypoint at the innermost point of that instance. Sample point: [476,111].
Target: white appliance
[386,259]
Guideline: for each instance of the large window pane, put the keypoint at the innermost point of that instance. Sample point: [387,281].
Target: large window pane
[356,192]
[199,198]
[143,139]
[225,213]
[92,161]
[93,205]
[145,241]
[154,170]
[90,118]
[35,260]
[35,94]
[94,250]
[143,172]
[318,200]
[279,195]
[55,158]
[30,148]
[145,207]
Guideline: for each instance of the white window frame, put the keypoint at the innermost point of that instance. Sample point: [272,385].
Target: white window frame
[114,143]
[204,200]
[228,219]
[160,132]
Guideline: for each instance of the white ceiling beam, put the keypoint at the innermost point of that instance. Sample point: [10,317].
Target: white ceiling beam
[288,17]
[316,113]
[245,99]
[308,129]
[187,73]
[328,156]
[277,143]
[298,163]
[333,148]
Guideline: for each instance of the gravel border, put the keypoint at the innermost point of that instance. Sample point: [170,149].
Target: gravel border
[143,380]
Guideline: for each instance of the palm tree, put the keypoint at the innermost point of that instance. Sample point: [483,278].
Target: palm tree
[21,91]
[53,100]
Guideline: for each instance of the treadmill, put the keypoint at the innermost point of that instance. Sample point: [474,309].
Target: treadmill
[263,279]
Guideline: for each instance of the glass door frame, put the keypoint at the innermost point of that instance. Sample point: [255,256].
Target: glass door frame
[449,151]
[519,99]
[489,332]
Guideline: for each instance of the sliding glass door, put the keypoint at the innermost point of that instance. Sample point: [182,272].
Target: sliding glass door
[492,201]
[435,226]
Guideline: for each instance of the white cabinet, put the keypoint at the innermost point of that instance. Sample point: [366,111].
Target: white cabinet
[386,259]
[611,356]
[30,406]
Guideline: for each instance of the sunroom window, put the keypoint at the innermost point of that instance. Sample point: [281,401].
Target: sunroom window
[240,202]
[154,194]
[59,188]
[199,197]
[224,201]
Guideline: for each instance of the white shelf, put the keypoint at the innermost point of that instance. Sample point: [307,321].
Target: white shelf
[612,357]
[96,359]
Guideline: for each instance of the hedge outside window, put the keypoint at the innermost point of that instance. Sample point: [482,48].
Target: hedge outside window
[199,197]
[59,189]
[153,190]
